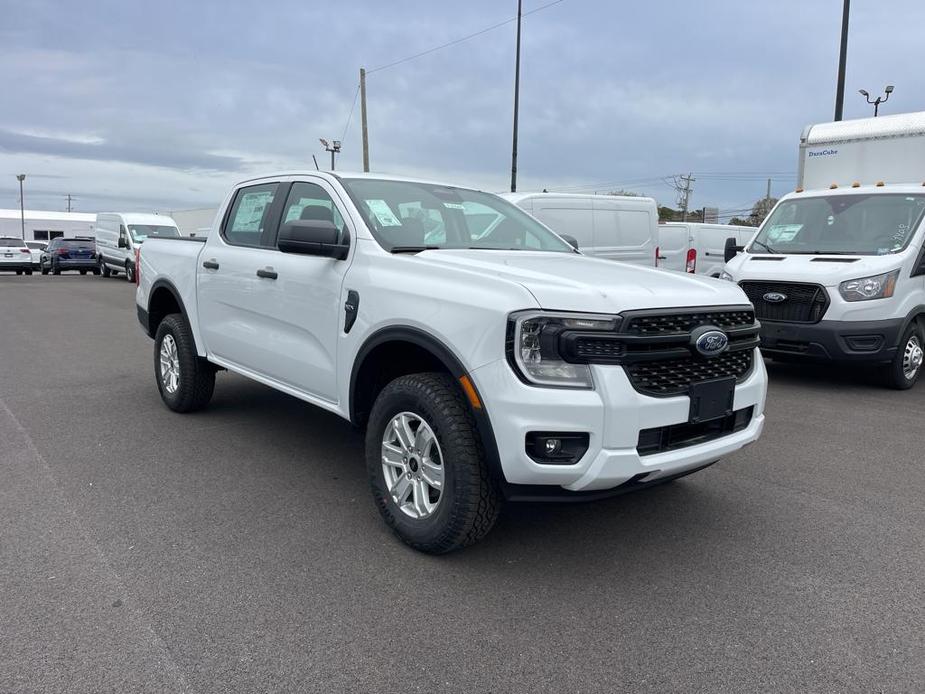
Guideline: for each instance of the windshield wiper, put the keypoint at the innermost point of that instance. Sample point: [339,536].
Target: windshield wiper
[412,249]
[764,246]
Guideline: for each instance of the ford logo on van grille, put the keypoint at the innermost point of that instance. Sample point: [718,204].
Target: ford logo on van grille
[774,297]
[711,343]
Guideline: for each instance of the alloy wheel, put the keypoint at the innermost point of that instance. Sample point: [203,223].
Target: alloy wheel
[412,465]
[170,364]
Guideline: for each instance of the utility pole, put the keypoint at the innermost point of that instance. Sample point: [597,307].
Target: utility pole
[363,119]
[682,184]
[842,60]
[768,195]
[22,209]
[69,198]
[516,99]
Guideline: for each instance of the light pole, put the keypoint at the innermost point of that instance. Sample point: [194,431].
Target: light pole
[22,210]
[333,148]
[516,98]
[879,100]
[842,59]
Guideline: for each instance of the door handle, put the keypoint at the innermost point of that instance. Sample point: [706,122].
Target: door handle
[210,265]
[661,257]
[267,274]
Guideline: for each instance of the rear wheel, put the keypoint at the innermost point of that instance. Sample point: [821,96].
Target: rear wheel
[906,366]
[184,380]
[29,272]
[83,272]
[44,270]
[19,272]
[426,465]
[130,271]
[55,270]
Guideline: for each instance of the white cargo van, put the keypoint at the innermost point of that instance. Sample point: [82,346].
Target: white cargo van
[615,227]
[838,273]
[697,248]
[118,236]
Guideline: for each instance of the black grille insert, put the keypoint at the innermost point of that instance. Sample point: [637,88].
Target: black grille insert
[803,303]
[674,376]
[680,323]
[669,438]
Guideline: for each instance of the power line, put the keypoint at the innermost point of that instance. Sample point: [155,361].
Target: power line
[350,115]
[460,40]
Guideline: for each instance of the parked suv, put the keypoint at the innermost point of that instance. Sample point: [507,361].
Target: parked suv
[15,256]
[484,366]
[63,254]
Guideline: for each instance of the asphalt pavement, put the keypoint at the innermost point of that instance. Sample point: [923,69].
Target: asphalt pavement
[238,549]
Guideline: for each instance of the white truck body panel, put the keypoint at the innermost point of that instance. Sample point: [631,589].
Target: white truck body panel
[289,332]
[613,227]
[890,149]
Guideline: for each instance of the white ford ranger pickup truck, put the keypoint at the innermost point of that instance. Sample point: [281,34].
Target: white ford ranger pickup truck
[487,359]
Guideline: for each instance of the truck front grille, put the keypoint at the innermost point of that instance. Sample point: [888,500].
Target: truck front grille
[675,376]
[673,324]
[802,303]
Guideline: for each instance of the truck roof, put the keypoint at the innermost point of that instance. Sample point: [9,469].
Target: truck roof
[516,197]
[143,218]
[897,188]
[335,175]
[898,125]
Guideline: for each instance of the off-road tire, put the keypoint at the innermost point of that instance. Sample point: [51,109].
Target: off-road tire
[197,376]
[470,500]
[893,373]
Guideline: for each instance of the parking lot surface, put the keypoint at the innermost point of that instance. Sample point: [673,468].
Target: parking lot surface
[237,549]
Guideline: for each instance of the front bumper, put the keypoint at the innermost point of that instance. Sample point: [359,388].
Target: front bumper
[613,414]
[854,341]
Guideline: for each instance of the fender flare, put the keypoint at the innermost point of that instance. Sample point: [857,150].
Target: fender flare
[169,286]
[445,355]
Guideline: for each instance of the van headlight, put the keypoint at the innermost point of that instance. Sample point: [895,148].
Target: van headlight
[866,288]
[533,346]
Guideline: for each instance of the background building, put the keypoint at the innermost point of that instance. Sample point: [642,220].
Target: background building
[44,225]
[195,222]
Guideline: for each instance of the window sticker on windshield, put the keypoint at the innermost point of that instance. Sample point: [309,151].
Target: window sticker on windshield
[383,212]
[783,232]
[454,205]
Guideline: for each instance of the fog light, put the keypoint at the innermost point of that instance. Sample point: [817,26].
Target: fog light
[556,448]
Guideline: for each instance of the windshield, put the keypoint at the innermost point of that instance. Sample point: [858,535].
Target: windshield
[142,231]
[842,225]
[406,215]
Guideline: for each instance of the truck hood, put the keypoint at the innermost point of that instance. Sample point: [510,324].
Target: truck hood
[573,282]
[827,270]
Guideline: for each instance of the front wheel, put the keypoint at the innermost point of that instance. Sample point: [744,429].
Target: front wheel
[906,366]
[426,465]
[130,272]
[184,379]
[104,268]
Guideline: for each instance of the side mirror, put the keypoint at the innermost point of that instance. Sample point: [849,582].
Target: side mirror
[312,237]
[570,240]
[732,249]
[123,242]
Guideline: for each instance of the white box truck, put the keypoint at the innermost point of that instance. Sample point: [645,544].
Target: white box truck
[837,270]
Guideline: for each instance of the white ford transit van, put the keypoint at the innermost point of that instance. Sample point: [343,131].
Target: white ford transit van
[838,273]
[118,236]
[698,248]
[615,227]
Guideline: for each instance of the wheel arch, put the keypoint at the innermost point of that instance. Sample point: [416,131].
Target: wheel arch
[417,352]
[164,299]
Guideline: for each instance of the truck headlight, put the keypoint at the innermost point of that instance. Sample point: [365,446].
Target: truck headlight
[726,276]
[533,346]
[866,288]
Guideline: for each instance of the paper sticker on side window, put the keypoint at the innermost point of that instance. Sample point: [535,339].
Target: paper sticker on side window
[383,213]
[454,205]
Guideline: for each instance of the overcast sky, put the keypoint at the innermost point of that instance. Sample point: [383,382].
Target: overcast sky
[162,105]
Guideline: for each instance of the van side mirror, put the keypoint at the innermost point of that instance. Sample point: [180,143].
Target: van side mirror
[312,237]
[570,240]
[123,242]
[732,249]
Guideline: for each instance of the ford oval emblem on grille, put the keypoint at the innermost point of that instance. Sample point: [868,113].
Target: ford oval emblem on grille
[712,343]
[774,297]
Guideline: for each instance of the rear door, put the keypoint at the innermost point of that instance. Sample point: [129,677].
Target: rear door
[673,244]
[710,242]
[231,297]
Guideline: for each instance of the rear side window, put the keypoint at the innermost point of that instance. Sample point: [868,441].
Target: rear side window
[249,215]
[14,243]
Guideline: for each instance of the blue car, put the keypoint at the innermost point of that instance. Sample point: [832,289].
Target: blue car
[63,255]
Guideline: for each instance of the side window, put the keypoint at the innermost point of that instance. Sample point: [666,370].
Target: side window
[40,235]
[55,234]
[310,201]
[576,222]
[248,216]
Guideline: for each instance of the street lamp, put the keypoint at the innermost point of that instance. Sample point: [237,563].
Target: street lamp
[22,211]
[333,148]
[879,100]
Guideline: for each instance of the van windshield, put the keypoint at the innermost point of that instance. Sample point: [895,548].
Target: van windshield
[841,225]
[405,215]
[142,231]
